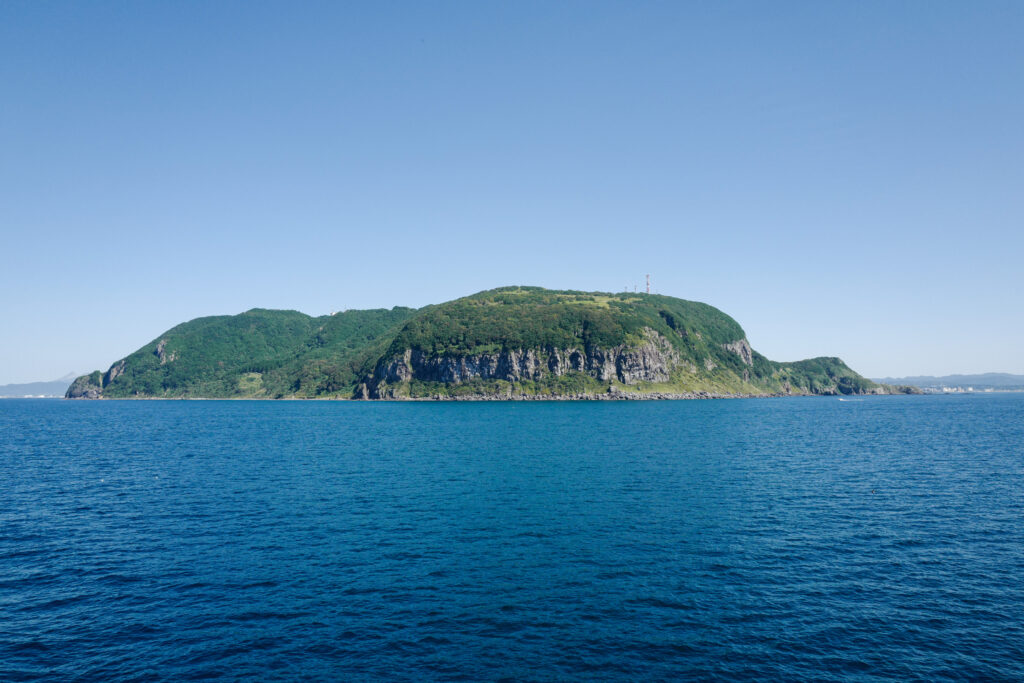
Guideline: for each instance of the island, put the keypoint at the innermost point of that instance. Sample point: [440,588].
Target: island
[511,343]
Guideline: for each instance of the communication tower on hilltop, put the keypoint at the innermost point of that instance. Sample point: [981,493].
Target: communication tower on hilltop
[648,283]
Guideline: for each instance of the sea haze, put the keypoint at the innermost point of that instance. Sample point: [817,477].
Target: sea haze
[778,538]
[53,389]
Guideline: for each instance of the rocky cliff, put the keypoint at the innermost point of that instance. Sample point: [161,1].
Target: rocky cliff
[86,386]
[652,360]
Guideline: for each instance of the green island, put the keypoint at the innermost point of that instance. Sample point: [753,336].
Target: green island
[511,343]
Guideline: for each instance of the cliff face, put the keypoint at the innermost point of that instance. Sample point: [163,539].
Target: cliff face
[91,386]
[86,386]
[741,348]
[653,360]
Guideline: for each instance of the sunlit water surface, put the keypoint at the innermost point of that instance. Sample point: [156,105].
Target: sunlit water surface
[780,538]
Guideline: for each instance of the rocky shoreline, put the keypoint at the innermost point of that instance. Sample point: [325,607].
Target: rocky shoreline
[616,396]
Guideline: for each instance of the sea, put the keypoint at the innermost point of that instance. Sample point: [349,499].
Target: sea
[873,538]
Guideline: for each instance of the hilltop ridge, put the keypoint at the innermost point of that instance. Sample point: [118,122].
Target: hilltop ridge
[505,343]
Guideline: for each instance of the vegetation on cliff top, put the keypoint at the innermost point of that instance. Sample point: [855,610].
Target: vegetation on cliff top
[277,354]
[534,318]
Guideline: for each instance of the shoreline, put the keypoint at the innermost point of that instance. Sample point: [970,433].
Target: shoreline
[618,396]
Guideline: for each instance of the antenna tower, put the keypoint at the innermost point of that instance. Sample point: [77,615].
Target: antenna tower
[648,283]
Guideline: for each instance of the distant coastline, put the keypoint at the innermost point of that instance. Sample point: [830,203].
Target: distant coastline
[621,396]
[976,383]
[53,389]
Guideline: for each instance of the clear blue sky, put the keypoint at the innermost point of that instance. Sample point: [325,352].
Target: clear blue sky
[842,178]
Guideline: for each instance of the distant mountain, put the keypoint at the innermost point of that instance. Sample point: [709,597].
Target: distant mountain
[988,380]
[507,343]
[56,388]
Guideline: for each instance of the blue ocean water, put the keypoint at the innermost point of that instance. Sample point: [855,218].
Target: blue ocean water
[880,538]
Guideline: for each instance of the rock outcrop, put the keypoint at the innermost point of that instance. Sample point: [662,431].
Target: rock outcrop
[741,348]
[91,386]
[115,371]
[652,360]
[162,354]
[86,386]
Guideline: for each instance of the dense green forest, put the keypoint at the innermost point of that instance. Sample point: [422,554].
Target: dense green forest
[259,354]
[531,317]
[686,346]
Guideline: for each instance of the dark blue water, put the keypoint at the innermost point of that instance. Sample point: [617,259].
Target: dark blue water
[784,538]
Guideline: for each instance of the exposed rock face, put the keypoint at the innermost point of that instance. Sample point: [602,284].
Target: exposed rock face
[114,371]
[651,361]
[85,386]
[742,349]
[163,355]
[91,386]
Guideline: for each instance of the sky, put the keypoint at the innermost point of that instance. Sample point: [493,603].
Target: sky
[843,179]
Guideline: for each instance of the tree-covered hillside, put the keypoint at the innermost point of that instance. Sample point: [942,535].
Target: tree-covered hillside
[259,354]
[532,317]
[508,342]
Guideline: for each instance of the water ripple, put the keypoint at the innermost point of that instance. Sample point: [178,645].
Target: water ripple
[782,539]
